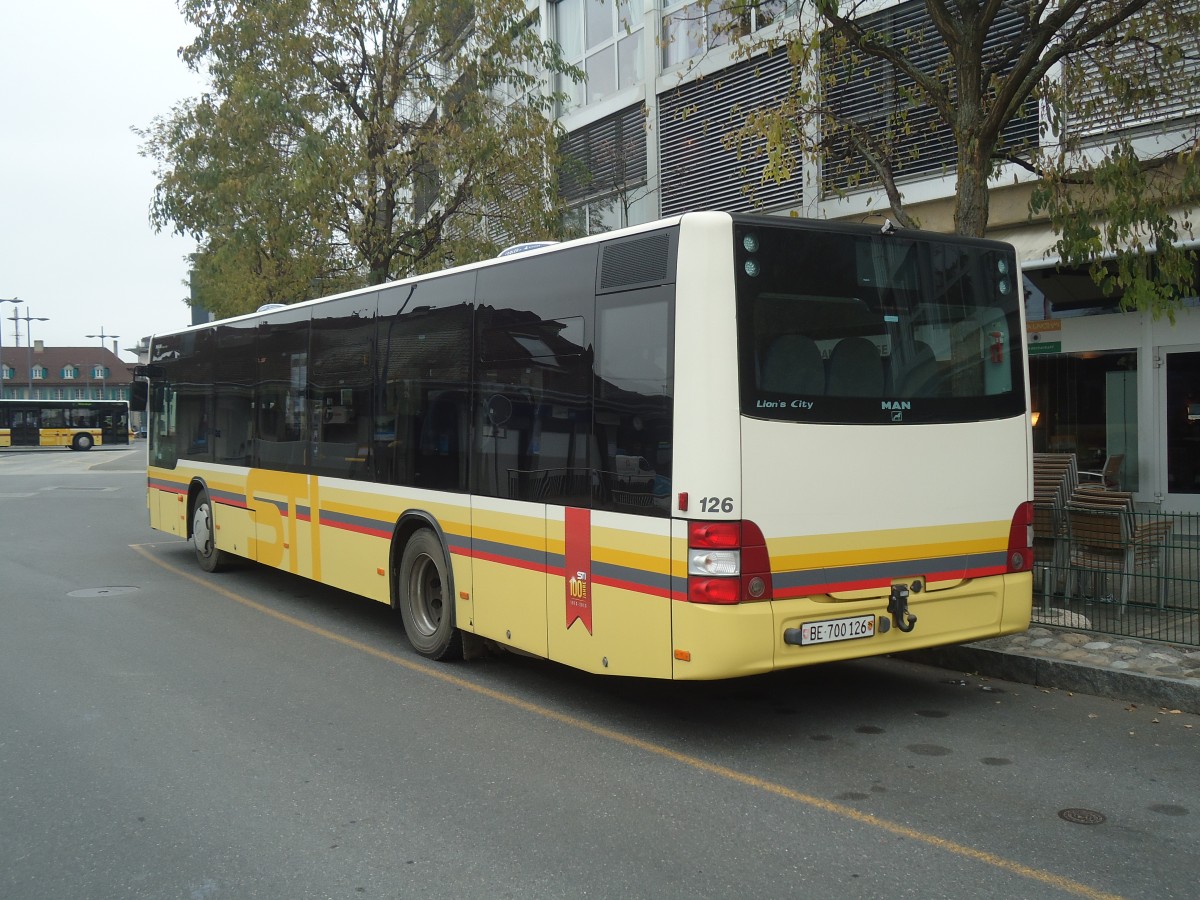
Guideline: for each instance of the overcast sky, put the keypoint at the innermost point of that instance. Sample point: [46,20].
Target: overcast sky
[75,240]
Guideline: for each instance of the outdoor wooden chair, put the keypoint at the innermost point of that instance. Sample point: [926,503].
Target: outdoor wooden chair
[1049,544]
[1101,543]
[1055,477]
[1147,541]
[1110,475]
[1062,466]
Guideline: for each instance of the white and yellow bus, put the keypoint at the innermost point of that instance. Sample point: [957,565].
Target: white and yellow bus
[707,447]
[74,424]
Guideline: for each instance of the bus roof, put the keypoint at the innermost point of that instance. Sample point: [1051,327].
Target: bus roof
[539,248]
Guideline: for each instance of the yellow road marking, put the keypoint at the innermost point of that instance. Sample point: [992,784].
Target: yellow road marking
[846,812]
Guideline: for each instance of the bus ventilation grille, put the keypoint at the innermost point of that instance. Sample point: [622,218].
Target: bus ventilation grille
[639,262]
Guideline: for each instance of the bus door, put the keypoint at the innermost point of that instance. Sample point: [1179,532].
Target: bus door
[610,611]
[114,427]
[508,540]
[531,432]
[26,430]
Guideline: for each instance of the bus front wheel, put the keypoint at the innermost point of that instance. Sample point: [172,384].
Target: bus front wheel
[204,537]
[426,607]
[82,442]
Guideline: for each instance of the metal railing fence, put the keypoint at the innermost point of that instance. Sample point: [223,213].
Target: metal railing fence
[1126,573]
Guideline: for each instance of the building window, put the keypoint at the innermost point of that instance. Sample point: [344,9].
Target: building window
[1086,404]
[605,163]
[80,394]
[690,29]
[597,216]
[39,373]
[604,38]
[1176,61]
[6,373]
[99,372]
[699,171]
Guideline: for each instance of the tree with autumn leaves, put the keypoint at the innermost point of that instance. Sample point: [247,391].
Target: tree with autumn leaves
[1111,160]
[346,142]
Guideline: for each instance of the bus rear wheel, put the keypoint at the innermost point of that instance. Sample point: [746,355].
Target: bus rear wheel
[204,537]
[82,442]
[426,607]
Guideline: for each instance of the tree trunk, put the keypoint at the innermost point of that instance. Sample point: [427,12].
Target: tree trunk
[971,193]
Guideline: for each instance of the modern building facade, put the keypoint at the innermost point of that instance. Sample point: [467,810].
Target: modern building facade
[651,133]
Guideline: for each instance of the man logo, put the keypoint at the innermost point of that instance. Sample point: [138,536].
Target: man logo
[896,404]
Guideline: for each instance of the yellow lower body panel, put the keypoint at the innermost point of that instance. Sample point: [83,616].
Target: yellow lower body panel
[630,633]
[722,641]
[509,605]
[729,641]
[235,531]
[168,513]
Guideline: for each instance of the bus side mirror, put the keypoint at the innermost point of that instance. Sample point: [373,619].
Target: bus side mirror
[139,394]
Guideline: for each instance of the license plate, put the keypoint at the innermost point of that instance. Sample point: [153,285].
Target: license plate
[830,630]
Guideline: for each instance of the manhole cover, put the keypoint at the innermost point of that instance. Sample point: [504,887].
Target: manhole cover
[102,592]
[1081,816]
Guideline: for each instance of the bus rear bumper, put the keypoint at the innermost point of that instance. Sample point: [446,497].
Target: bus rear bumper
[729,641]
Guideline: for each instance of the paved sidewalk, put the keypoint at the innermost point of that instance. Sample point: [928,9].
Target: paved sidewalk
[1070,659]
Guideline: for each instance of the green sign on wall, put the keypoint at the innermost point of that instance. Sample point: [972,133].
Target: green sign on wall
[1039,347]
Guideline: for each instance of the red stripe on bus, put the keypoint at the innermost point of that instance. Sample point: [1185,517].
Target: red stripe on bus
[666,593]
[559,571]
[832,587]
[356,529]
[504,560]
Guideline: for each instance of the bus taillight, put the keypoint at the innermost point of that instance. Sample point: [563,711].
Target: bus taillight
[727,563]
[1020,539]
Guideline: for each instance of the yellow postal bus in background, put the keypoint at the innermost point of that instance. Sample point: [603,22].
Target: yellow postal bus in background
[707,447]
[75,424]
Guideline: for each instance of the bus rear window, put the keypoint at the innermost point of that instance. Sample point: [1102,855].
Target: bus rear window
[876,329]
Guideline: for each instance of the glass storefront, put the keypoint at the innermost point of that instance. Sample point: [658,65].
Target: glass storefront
[1183,423]
[1086,404]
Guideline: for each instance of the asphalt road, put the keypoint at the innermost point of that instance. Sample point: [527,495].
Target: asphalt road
[170,734]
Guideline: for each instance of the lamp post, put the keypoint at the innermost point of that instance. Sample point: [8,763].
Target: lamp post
[4,300]
[103,377]
[27,318]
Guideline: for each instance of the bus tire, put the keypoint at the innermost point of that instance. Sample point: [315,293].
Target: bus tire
[82,442]
[426,607]
[204,537]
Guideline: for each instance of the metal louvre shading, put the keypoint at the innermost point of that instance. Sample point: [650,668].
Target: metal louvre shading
[698,172]
[870,92]
[604,157]
[1169,102]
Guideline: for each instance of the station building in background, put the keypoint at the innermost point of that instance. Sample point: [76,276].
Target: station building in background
[63,373]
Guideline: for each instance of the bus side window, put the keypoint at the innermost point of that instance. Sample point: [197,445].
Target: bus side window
[422,397]
[634,398]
